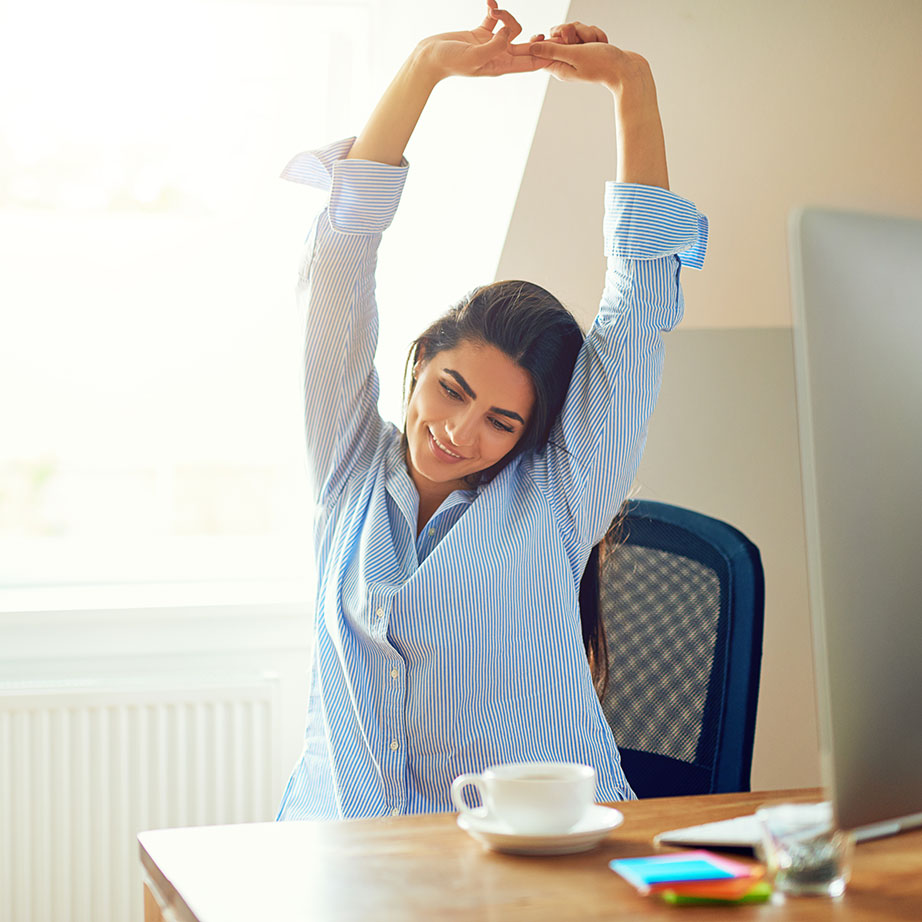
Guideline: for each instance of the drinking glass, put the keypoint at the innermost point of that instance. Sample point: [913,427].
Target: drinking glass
[804,851]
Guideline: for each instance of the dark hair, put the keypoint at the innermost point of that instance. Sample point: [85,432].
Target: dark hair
[601,565]
[527,323]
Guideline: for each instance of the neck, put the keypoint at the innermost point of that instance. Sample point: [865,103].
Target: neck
[431,496]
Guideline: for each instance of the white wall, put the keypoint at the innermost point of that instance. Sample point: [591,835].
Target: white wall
[765,107]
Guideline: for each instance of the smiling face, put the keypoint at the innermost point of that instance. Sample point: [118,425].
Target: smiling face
[468,409]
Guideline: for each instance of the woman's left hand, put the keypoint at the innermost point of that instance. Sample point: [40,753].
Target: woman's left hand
[479,52]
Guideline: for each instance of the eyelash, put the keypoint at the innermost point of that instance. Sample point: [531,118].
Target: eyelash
[454,395]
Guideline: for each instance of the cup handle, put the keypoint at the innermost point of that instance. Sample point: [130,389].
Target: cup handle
[457,796]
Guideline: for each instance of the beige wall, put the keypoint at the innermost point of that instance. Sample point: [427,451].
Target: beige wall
[765,107]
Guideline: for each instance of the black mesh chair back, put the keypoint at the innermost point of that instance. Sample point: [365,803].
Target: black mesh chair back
[682,597]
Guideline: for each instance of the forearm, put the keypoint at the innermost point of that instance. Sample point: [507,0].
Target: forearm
[384,138]
[579,52]
[641,148]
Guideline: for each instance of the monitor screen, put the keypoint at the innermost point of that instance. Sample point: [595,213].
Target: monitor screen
[857,299]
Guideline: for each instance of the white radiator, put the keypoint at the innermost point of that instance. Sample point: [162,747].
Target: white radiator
[83,770]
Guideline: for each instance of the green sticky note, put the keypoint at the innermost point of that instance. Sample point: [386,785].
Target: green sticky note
[760,893]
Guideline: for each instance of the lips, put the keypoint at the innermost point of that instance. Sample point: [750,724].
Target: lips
[441,452]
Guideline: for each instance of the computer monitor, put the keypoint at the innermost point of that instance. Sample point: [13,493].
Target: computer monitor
[857,298]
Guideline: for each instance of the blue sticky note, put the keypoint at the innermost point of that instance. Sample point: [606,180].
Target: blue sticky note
[674,871]
[676,868]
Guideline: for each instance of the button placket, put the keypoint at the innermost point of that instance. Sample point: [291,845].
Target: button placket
[384,607]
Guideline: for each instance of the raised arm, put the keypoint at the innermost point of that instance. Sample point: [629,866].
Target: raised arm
[336,286]
[596,446]
[575,51]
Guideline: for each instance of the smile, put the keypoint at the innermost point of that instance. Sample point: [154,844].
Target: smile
[441,452]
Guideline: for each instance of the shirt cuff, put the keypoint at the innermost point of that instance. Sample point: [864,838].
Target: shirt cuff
[364,194]
[647,222]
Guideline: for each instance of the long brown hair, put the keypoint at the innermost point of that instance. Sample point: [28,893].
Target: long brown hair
[600,563]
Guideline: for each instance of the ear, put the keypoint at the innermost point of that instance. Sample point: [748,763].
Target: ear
[419,364]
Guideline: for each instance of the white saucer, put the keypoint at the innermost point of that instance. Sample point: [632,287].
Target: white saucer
[587,833]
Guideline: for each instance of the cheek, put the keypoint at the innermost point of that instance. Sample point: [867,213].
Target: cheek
[500,444]
[414,410]
[416,414]
[425,405]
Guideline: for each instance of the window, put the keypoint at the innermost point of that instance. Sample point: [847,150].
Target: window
[150,393]
[149,383]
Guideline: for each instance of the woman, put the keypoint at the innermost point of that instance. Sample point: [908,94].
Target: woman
[449,555]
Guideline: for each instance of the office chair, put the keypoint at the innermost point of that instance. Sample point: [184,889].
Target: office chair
[682,597]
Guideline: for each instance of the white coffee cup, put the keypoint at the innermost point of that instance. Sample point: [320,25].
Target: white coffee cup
[535,798]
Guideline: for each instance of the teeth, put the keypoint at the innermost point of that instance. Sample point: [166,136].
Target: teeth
[447,452]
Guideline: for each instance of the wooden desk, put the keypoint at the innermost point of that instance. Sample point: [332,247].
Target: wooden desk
[426,868]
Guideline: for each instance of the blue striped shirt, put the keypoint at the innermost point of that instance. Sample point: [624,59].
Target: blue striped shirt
[461,647]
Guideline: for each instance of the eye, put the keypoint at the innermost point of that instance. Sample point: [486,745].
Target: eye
[451,393]
[498,425]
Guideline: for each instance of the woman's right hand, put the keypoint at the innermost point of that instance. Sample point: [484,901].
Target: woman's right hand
[580,52]
[480,52]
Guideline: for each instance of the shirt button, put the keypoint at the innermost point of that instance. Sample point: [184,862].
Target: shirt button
[431,531]
[395,745]
[395,811]
[395,673]
[380,612]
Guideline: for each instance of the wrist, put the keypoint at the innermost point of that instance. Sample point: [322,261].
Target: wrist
[422,67]
[631,83]
[390,126]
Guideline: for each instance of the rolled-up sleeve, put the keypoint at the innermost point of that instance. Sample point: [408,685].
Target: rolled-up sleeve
[596,444]
[336,291]
[646,222]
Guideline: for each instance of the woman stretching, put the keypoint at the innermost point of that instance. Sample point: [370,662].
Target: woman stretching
[447,632]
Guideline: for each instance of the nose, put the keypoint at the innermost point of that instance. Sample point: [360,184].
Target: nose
[460,429]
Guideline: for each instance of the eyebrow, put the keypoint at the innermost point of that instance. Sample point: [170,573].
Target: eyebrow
[470,393]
